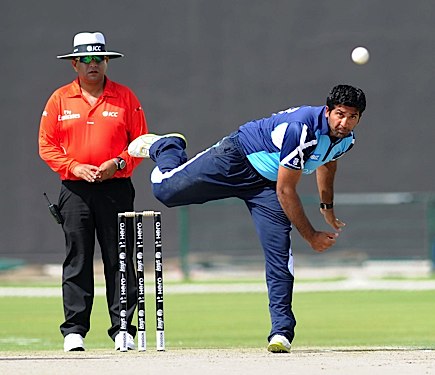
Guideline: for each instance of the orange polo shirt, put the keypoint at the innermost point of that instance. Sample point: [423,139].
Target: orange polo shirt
[73,132]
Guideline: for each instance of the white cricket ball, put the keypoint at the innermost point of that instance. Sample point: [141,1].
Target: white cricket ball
[360,55]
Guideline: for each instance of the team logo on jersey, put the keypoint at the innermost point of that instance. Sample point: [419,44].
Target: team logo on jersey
[110,114]
[315,157]
[45,113]
[295,161]
[307,171]
[68,115]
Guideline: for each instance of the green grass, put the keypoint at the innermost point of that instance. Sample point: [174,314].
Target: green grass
[326,319]
[366,318]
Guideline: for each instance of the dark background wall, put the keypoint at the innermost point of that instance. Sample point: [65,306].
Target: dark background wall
[205,67]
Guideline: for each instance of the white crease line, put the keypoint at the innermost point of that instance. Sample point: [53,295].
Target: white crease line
[347,285]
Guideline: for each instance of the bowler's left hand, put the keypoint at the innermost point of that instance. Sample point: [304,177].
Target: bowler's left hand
[330,218]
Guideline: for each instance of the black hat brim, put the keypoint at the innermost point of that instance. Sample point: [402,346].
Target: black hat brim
[71,56]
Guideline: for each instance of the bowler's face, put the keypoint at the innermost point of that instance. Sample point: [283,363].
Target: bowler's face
[91,73]
[342,120]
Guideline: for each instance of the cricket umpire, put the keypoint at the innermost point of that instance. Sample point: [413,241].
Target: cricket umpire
[84,133]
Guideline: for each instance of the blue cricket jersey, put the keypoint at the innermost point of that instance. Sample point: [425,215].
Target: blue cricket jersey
[297,138]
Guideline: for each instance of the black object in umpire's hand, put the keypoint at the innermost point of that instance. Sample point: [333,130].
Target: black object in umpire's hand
[54,210]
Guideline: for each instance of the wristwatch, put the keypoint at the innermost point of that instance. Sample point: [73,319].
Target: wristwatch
[120,163]
[326,206]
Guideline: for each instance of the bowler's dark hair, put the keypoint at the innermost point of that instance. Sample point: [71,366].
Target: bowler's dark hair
[346,95]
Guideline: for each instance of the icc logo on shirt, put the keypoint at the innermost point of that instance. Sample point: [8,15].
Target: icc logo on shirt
[110,114]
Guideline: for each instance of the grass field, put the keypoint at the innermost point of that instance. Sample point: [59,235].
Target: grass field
[240,320]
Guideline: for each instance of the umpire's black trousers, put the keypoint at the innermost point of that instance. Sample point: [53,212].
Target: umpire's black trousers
[90,210]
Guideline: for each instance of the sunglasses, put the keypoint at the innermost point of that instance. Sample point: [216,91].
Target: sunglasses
[88,59]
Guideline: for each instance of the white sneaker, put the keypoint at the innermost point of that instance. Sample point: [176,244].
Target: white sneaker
[279,344]
[140,147]
[73,342]
[130,341]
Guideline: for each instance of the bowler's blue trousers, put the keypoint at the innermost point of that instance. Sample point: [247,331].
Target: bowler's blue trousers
[223,171]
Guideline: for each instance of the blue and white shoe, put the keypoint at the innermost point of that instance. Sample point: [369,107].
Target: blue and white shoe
[279,344]
[140,147]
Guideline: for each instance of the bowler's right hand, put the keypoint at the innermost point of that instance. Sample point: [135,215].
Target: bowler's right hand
[321,241]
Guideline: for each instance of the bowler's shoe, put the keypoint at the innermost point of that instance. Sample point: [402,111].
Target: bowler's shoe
[140,147]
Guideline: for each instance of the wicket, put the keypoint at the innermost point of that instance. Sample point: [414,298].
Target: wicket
[158,276]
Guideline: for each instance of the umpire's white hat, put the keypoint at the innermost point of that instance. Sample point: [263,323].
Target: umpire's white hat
[86,43]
